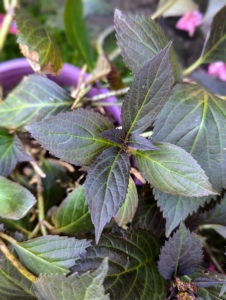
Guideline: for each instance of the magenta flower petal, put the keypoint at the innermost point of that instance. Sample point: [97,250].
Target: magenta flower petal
[189,22]
[218,69]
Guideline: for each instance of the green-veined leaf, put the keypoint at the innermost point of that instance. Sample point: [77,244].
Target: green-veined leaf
[172,170]
[72,216]
[54,182]
[106,186]
[127,211]
[37,45]
[148,93]
[132,271]
[34,99]
[181,254]
[76,30]
[87,286]
[193,119]
[148,215]
[140,38]
[73,136]
[15,200]
[215,46]
[13,285]
[11,151]
[50,254]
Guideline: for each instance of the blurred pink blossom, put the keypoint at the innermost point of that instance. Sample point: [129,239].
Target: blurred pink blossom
[190,21]
[13,28]
[218,69]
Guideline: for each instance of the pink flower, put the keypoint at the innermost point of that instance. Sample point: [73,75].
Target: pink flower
[190,21]
[218,69]
[13,28]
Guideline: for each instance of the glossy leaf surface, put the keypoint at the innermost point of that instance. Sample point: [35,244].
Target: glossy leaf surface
[127,211]
[131,263]
[13,285]
[37,45]
[195,121]
[173,170]
[143,43]
[50,253]
[34,99]
[11,151]
[73,216]
[106,186]
[73,136]
[15,200]
[181,254]
[148,93]
[76,29]
[87,286]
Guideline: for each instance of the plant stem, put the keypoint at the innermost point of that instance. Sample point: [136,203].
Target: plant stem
[41,209]
[15,262]
[97,103]
[108,94]
[34,232]
[194,66]
[102,37]
[7,22]
[162,9]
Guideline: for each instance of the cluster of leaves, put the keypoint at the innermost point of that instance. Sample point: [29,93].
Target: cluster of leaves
[183,161]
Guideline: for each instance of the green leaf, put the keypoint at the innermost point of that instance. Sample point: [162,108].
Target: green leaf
[148,215]
[15,200]
[34,99]
[215,215]
[177,208]
[181,254]
[138,142]
[11,151]
[13,285]
[37,45]
[72,216]
[50,254]
[106,186]
[148,93]
[76,30]
[73,136]
[193,119]
[173,170]
[212,292]
[53,191]
[132,271]
[215,46]
[87,286]
[140,38]
[127,211]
